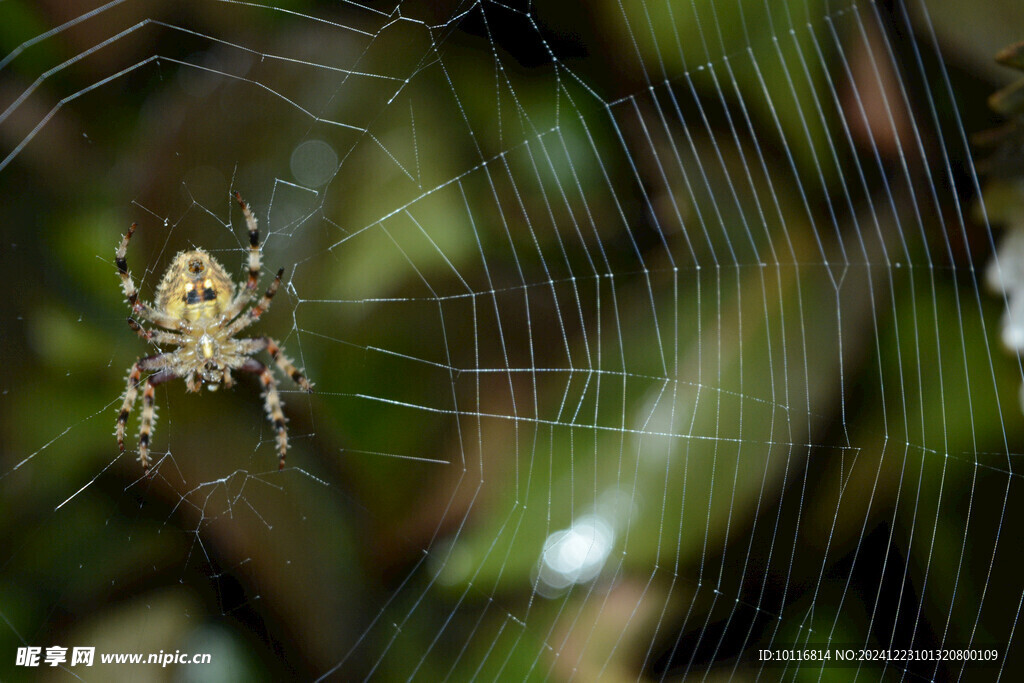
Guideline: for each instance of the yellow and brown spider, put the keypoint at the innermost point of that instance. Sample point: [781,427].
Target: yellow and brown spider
[201,312]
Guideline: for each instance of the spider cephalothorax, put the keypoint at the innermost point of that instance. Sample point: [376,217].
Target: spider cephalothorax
[201,312]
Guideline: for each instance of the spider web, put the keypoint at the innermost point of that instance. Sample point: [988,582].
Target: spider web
[645,336]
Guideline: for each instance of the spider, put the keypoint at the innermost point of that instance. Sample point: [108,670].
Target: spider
[201,311]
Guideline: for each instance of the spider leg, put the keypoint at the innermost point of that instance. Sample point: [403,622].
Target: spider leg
[246,293]
[272,404]
[157,336]
[131,393]
[282,361]
[139,307]
[254,313]
[254,246]
[127,284]
[149,414]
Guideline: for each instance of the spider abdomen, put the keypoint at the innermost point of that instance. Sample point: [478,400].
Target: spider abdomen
[196,287]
